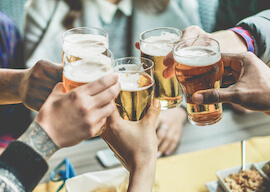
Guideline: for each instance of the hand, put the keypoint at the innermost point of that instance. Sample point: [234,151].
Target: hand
[38,82]
[69,118]
[252,87]
[135,145]
[169,128]
[189,32]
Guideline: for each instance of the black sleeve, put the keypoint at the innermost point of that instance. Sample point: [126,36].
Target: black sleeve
[24,163]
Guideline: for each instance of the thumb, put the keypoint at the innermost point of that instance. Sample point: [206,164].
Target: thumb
[152,113]
[137,45]
[211,96]
[58,88]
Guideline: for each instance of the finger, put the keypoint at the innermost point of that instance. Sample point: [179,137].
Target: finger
[164,145]
[100,84]
[153,112]
[98,129]
[169,72]
[161,133]
[137,45]
[104,111]
[212,96]
[171,147]
[168,60]
[107,95]
[58,88]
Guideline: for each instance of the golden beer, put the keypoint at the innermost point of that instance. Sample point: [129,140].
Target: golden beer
[199,68]
[135,76]
[133,103]
[155,45]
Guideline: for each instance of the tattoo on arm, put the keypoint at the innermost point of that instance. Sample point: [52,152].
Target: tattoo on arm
[38,139]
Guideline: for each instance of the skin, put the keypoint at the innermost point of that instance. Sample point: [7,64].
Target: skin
[83,111]
[30,86]
[250,87]
[135,145]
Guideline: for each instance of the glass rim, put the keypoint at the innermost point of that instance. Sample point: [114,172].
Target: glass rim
[159,28]
[185,41]
[76,28]
[141,58]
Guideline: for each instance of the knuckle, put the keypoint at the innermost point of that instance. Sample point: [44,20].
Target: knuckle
[73,95]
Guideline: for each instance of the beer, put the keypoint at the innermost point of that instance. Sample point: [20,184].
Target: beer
[84,38]
[82,66]
[135,76]
[156,48]
[135,96]
[199,68]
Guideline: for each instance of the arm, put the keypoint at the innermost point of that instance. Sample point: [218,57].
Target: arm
[81,111]
[135,145]
[258,27]
[30,86]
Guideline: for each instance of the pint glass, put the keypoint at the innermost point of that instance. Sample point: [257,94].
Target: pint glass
[84,65]
[198,66]
[155,44]
[135,75]
[83,38]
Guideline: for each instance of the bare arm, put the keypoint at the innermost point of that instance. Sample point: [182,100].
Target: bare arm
[9,85]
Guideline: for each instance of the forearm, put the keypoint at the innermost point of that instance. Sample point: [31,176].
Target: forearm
[9,85]
[23,163]
[142,179]
[230,42]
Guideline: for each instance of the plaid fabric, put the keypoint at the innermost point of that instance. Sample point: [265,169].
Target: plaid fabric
[5,140]
[10,42]
[247,37]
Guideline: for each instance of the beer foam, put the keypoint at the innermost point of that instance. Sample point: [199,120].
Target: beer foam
[197,56]
[129,81]
[159,45]
[88,70]
[77,43]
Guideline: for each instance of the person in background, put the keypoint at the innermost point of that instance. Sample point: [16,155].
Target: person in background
[124,20]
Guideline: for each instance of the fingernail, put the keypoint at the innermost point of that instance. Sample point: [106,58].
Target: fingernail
[159,154]
[197,98]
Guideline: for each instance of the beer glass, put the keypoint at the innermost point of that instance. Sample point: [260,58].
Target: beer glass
[84,37]
[198,66]
[155,44]
[135,76]
[83,65]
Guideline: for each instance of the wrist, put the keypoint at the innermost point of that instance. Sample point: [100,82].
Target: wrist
[142,177]
[39,140]
[230,42]
[10,86]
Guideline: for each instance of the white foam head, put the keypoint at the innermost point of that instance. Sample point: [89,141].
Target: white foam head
[83,41]
[88,69]
[197,56]
[129,81]
[159,45]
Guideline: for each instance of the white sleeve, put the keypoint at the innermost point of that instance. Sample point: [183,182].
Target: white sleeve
[36,18]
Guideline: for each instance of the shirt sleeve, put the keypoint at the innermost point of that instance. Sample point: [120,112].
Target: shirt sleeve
[258,27]
[246,36]
[21,167]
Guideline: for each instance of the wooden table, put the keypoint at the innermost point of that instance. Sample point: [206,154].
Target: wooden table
[231,128]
